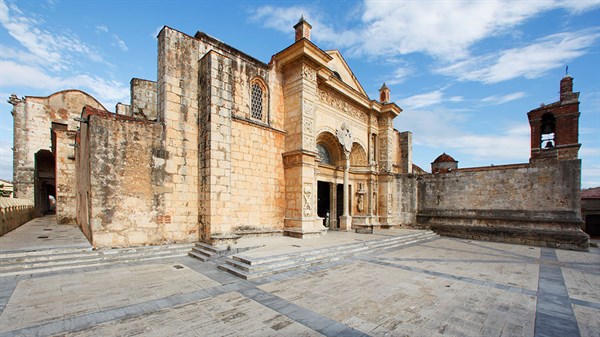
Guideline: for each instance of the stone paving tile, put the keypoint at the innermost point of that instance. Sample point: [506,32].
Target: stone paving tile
[588,320]
[372,298]
[493,262]
[449,287]
[224,315]
[43,299]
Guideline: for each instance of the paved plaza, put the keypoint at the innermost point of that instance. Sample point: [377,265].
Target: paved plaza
[443,287]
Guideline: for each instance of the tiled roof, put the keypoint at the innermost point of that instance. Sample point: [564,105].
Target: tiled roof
[444,158]
[591,193]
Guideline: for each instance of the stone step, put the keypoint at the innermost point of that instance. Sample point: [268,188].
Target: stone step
[52,262]
[205,252]
[318,252]
[248,268]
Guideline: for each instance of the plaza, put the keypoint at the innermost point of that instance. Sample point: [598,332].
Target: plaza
[438,287]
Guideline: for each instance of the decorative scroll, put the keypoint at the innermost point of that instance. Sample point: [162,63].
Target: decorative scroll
[308,73]
[307,200]
[335,101]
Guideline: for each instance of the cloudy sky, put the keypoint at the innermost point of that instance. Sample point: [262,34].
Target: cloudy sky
[464,72]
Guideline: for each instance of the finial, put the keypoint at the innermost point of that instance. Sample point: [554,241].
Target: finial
[302,18]
[567,71]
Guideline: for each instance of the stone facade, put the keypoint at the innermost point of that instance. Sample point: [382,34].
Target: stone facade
[35,119]
[223,145]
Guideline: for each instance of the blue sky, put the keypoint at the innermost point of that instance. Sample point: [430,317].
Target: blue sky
[465,72]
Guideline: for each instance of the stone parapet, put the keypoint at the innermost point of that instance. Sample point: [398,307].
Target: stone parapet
[14,213]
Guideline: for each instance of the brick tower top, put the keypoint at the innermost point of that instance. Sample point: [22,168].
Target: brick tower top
[555,127]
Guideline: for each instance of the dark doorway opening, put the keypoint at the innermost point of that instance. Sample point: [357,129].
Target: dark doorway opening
[592,225]
[324,202]
[45,186]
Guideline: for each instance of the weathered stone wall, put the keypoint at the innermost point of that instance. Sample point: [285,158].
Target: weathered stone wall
[257,181]
[65,176]
[33,117]
[144,100]
[176,170]
[126,206]
[531,204]
[405,200]
[14,212]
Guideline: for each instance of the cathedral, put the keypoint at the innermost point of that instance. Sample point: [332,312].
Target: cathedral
[223,146]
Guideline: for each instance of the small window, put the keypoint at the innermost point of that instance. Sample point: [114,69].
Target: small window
[256,108]
[324,154]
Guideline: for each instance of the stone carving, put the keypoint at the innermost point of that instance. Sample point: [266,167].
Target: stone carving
[308,73]
[335,101]
[389,204]
[308,107]
[344,137]
[307,200]
[308,126]
[14,100]
[360,204]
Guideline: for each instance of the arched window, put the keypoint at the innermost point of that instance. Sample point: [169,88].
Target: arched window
[257,100]
[324,154]
[548,128]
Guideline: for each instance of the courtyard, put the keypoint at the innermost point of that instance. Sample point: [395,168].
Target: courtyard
[441,287]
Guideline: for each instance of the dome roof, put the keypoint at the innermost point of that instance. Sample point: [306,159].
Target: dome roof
[444,158]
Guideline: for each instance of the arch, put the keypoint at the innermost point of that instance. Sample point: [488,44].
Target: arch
[259,99]
[358,155]
[68,92]
[547,131]
[328,141]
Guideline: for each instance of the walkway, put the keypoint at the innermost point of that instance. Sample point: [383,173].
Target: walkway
[43,233]
[445,287]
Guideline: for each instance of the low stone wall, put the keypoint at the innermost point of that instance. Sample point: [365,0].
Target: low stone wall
[532,204]
[14,213]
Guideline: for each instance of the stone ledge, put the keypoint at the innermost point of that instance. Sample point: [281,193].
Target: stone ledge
[303,234]
[562,239]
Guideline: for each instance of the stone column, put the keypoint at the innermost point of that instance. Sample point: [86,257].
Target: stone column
[345,138]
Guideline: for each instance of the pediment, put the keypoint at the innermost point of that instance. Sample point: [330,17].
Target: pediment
[340,66]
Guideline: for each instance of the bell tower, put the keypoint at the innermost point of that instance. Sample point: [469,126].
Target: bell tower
[555,127]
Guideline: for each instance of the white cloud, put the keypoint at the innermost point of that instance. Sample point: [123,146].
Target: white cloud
[17,74]
[498,100]
[529,61]
[55,50]
[120,43]
[284,18]
[101,29]
[400,74]
[444,29]
[422,100]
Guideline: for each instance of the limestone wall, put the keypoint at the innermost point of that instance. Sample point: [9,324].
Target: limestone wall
[176,159]
[33,117]
[532,204]
[126,204]
[144,100]
[65,176]
[257,180]
[14,213]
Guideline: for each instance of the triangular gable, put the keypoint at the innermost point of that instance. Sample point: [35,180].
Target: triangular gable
[339,65]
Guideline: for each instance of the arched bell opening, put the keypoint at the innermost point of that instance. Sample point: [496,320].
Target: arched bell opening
[548,129]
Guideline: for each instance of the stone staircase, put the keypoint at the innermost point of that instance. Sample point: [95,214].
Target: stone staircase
[251,268]
[205,252]
[56,259]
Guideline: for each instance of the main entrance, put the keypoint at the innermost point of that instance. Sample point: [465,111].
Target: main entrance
[324,202]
